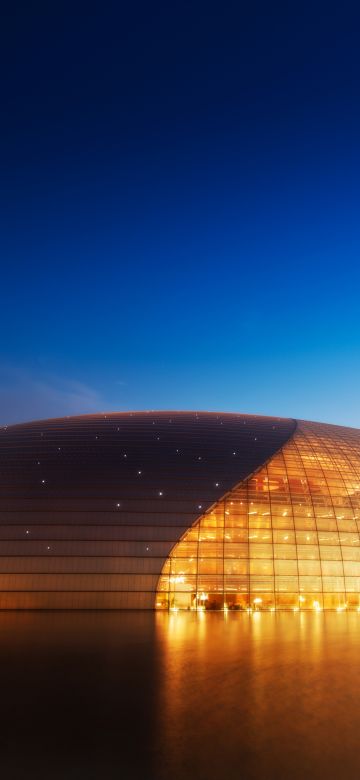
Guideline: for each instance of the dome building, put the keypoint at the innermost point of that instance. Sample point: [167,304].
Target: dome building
[179,510]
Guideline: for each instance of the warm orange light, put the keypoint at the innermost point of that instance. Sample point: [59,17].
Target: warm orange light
[291,534]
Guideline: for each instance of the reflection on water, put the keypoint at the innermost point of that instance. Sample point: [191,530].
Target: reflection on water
[160,696]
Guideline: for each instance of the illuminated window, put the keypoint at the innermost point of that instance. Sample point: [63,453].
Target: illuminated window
[287,538]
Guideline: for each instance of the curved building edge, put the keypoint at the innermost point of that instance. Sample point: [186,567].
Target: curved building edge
[286,538]
[96,509]
[91,506]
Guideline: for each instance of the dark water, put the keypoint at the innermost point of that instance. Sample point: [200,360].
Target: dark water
[143,695]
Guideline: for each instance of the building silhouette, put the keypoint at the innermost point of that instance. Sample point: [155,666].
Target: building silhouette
[179,510]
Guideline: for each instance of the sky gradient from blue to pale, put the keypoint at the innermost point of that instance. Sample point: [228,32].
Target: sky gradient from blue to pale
[179,209]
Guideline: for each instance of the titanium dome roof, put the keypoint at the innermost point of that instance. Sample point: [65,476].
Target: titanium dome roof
[190,458]
[90,506]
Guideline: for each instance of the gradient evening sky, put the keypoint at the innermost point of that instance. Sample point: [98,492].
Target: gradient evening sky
[179,215]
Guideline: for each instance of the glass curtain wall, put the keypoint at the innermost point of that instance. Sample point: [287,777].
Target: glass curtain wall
[286,538]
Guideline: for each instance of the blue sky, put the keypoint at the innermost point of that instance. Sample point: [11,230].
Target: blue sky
[179,222]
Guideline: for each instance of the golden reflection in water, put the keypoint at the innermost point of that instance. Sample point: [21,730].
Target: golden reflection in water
[258,696]
[180,696]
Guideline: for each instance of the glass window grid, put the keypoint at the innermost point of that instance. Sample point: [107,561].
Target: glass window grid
[290,530]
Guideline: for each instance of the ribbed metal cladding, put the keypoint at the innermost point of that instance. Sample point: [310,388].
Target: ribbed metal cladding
[90,506]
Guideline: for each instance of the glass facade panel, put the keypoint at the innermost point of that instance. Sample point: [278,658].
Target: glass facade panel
[285,567]
[288,537]
[285,551]
[236,566]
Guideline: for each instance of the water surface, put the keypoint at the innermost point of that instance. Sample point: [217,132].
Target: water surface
[159,696]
